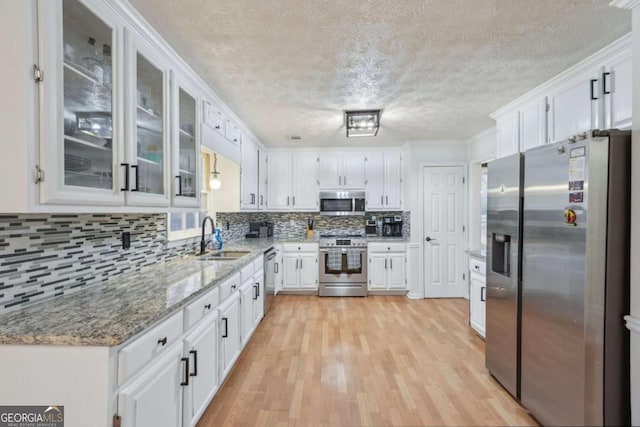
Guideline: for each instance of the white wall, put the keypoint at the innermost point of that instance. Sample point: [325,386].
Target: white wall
[417,152]
[480,148]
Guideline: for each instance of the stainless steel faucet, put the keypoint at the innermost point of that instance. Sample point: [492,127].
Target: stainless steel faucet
[203,244]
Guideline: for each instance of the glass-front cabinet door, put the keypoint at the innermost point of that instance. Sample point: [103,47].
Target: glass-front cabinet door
[79,142]
[148,156]
[185,145]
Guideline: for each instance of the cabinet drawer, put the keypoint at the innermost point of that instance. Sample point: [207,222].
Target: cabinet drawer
[477,266]
[201,307]
[299,247]
[246,272]
[139,353]
[229,286]
[387,247]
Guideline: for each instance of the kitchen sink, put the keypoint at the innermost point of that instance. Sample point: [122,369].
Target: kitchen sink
[222,255]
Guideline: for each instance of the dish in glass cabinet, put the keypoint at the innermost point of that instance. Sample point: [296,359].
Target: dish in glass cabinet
[76,163]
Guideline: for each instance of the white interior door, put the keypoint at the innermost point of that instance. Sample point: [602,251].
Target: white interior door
[443,234]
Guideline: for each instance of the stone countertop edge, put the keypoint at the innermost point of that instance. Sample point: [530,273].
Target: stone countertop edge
[476,254]
[110,313]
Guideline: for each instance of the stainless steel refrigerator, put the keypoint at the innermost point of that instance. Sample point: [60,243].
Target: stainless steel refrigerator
[575,280]
[504,228]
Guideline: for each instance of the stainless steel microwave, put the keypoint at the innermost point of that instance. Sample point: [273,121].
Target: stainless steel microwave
[340,203]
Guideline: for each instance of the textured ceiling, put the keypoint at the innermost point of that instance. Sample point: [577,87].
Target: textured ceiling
[436,67]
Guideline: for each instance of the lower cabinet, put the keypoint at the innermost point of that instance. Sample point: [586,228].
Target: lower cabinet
[201,348]
[477,296]
[300,266]
[251,305]
[155,397]
[387,267]
[229,333]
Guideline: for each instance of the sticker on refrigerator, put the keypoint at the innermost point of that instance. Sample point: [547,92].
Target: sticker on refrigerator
[576,197]
[578,152]
[576,169]
[576,185]
[570,217]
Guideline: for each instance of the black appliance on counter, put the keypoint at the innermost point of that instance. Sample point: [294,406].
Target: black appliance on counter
[392,226]
[260,229]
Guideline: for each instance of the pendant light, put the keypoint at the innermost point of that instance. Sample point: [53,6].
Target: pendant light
[214,181]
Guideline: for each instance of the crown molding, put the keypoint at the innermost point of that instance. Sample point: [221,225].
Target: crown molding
[625,4]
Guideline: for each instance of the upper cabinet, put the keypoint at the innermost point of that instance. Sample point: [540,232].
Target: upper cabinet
[249,197]
[594,94]
[292,181]
[383,184]
[342,170]
[186,145]
[147,160]
[81,142]
[114,121]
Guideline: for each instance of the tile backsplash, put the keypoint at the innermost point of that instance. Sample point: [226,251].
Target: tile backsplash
[294,224]
[49,255]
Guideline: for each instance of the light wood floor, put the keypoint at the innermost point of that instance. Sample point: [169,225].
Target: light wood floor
[377,361]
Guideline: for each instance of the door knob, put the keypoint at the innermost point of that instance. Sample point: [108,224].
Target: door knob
[429,239]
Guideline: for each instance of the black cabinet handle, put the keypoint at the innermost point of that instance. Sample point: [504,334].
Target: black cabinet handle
[126,177]
[218,127]
[179,178]
[255,292]
[391,263]
[261,200]
[482,297]
[275,267]
[226,328]
[186,371]
[258,288]
[163,341]
[207,306]
[233,286]
[137,187]
[385,264]
[195,363]
[593,97]
[604,83]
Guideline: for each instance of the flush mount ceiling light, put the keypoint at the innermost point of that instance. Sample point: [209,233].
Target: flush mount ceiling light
[214,181]
[362,123]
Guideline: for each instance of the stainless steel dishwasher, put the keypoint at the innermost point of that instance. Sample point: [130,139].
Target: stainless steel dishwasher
[270,270]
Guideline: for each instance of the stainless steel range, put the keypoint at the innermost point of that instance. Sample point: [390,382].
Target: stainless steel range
[343,265]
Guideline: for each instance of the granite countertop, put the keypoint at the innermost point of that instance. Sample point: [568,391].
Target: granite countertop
[477,254]
[111,313]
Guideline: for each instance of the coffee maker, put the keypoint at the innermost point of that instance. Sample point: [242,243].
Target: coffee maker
[392,226]
[371,226]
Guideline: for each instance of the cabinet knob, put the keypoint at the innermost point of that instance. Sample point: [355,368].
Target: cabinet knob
[163,341]
[207,306]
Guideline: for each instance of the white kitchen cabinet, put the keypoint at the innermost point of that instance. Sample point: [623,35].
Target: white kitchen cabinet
[617,91]
[262,179]
[300,266]
[342,170]
[201,347]
[533,124]
[477,295]
[572,109]
[147,160]
[279,181]
[383,183]
[304,185]
[249,198]
[185,137]
[229,333]
[247,323]
[508,135]
[232,132]
[293,181]
[155,397]
[258,296]
[81,143]
[387,267]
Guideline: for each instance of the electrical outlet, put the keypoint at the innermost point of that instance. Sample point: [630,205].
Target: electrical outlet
[227,225]
[126,240]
